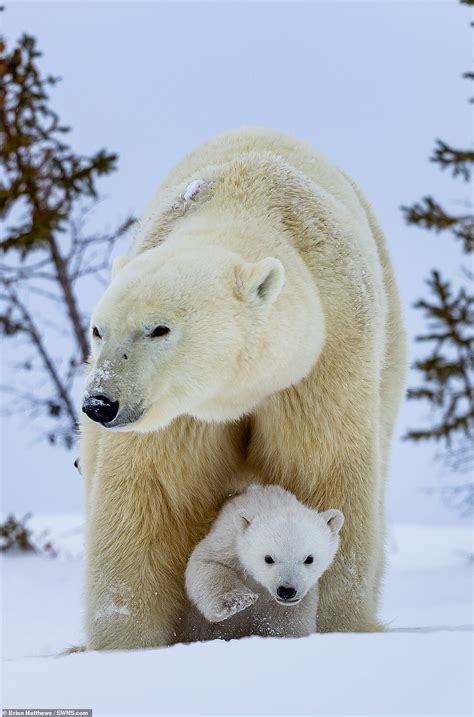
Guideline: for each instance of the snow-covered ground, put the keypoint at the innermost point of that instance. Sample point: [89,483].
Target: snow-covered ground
[423,665]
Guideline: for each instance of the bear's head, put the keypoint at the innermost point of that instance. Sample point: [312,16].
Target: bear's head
[182,333]
[287,551]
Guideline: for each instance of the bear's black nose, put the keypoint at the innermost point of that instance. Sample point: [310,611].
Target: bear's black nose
[100,408]
[285,593]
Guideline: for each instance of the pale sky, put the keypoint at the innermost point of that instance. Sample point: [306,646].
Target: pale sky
[370,84]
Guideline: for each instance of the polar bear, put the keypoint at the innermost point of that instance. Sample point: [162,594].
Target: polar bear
[256,572]
[254,326]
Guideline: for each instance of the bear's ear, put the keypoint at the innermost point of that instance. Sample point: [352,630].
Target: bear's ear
[262,281]
[334,518]
[118,263]
[245,522]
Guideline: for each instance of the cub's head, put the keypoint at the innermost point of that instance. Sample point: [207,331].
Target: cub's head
[181,333]
[287,551]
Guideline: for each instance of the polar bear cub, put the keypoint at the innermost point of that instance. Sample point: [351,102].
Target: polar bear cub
[257,571]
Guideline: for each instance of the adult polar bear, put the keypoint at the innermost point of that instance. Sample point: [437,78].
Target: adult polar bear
[254,326]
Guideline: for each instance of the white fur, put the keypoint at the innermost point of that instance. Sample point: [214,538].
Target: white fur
[221,311]
[233,587]
[275,281]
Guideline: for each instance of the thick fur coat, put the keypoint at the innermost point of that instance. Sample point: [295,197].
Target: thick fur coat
[257,570]
[284,354]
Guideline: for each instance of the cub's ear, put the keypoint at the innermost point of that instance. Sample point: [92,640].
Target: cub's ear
[245,522]
[118,263]
[261,282]
[334,518]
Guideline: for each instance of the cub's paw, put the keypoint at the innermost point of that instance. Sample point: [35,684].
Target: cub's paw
[231,603]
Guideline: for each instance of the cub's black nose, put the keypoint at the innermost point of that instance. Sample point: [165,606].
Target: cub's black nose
[285,593]
[100,408]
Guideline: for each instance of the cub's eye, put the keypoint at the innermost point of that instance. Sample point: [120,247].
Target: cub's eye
[309,560]
[159,331]
[96,333]
[269,560]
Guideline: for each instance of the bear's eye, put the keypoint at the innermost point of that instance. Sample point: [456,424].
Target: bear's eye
[96,333]
[309,560]
[159,331]
[269,560]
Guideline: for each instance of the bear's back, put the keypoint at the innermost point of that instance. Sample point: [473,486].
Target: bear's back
[228,146]
[268,155]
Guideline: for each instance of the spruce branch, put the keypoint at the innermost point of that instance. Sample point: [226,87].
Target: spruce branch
[460,161]
[46,193]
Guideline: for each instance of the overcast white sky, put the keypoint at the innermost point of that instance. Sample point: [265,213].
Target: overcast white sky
[371,84]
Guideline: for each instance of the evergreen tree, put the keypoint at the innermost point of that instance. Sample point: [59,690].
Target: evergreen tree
[446,373]
[46,191]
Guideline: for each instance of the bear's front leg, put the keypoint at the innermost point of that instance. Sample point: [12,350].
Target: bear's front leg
[129,604]
[150,499]
[136,552]
[215,588]
[330,469]
[349,590]
[348,597]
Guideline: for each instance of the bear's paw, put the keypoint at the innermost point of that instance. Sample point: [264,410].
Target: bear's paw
[231,603]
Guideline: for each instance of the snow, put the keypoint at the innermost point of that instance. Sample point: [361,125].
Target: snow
[193,190]
[423,665]
[100,374]
[199,188]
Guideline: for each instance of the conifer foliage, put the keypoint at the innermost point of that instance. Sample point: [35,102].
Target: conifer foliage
[446,372]
[46,193]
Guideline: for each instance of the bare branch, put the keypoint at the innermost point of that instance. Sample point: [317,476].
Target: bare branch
[29,327]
